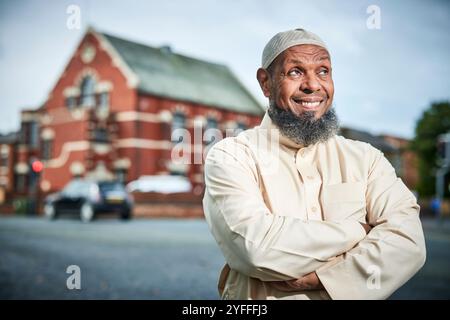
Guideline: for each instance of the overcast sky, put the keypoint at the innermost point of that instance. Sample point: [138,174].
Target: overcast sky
[384,78]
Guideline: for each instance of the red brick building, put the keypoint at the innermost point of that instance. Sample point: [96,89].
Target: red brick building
[408,161]
[113,110]
[17,151]
[396,150]
[7,160]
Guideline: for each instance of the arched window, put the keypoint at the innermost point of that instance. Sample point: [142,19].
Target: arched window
[87,92]
[178,127]
[212,133]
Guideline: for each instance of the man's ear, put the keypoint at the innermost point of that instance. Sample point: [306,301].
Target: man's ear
[264,81]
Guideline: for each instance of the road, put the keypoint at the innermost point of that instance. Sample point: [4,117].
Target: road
[140,259]
[148,259]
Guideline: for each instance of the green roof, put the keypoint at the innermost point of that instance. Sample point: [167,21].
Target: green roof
[164,73]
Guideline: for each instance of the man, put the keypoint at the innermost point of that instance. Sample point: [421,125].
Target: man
[299,212]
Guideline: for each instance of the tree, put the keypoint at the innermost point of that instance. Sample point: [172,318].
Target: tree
[434,121]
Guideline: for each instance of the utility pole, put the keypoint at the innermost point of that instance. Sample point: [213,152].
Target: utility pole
[443,149]
[36,167]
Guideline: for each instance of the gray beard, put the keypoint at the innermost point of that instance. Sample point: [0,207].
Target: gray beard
[304,129]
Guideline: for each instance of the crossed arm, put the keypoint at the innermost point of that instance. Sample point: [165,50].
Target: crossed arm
[297,253]
[309,281]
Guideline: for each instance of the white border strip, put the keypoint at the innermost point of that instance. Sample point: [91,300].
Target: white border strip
[67,148]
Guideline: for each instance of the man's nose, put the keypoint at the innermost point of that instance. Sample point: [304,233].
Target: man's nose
[310,84]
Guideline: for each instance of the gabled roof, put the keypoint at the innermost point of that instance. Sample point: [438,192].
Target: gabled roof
[164,73]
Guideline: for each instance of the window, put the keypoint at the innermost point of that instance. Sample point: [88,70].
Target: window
[71,102]
[24,133]
[4,160]
[100,135]
[211,132]
[104,100]
[211,123]
[87,92]
[47,149]
[34,134]
[4,156]
[241,126]
[178,124]
[20,182]
[121,175]
[29,133]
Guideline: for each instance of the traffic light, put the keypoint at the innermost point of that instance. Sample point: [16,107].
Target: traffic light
[37,166]
[443,148]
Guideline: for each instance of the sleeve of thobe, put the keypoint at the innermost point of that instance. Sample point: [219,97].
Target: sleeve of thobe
[392,252]
[255,241]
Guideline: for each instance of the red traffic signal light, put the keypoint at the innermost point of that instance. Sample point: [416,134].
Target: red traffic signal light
[37,166]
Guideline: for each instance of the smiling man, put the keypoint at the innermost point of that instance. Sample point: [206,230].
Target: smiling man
[298,211]
[300,91]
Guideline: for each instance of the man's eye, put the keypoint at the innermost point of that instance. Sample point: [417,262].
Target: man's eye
[294,73]
[323,72]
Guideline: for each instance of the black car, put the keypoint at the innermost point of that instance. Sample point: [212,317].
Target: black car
[87,198]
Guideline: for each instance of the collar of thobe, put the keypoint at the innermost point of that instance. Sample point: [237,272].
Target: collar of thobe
[272,129]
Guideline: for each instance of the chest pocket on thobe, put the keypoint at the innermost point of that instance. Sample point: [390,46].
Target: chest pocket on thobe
[344,201]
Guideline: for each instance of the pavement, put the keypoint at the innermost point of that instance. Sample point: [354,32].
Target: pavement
[139,259]
[149,259]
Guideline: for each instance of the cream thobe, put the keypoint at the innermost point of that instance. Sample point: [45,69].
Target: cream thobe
[279,211]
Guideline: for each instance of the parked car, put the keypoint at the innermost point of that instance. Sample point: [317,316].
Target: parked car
[160,184]
[88,198]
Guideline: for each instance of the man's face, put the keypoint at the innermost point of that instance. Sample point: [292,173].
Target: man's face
[300,80]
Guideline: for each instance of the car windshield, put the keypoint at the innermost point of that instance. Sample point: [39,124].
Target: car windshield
[111,186]
[77,187]
[161,183]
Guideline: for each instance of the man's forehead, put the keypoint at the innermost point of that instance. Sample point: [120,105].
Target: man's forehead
[317,52]
[302,53]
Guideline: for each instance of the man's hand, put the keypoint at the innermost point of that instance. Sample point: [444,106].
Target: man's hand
[308,282]
[366,227]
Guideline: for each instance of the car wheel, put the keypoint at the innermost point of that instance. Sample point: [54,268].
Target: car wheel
[50,211]
[87,212]
[125,215]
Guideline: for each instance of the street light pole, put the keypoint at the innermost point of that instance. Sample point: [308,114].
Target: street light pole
[440,182]
[444,164]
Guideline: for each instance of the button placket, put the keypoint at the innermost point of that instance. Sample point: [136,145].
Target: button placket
[313,206]
[311,183]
